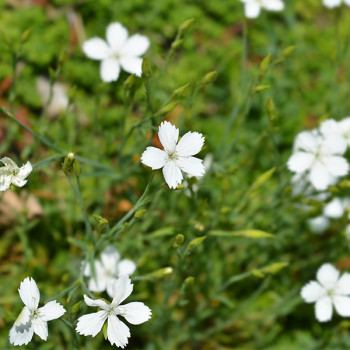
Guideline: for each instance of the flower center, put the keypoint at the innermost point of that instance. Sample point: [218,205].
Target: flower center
[9,171]
[330,293]
[172,156]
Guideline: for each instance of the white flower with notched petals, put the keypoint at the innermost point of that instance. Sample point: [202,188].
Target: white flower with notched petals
[252,8]
[12,174]
[339,129]
[33,319]
[58,102]
[107,269]
[319,156]
[118,51]
[176,156]
[327,291]
[335,3]
[117,331]
[335,209]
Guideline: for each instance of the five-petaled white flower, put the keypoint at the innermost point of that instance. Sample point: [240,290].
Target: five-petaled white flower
[117,332]
[320,156]
[335,3]
[108,269]
[328,290]
[33,319]
[252,8]
[12,174]
[118,51]
[176,156]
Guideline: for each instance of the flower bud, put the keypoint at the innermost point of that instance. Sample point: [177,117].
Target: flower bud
[101,222]
[209,78]
[176,44]
[185,25]
[71,164]
[140,214]
[146,68]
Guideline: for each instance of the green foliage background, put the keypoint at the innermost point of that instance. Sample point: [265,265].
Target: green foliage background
[233,300]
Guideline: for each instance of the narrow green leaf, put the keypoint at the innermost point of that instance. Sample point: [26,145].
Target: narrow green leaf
[244,233]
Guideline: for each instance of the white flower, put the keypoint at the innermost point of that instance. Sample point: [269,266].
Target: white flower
[334,3]
[335,209]
[108,269]
[12,174]
[118,51]
[117,332]
[33,319]
[327,290]
[320,156]
[252,8]
[59,101]
[337,129]
[319,224]
[176,156]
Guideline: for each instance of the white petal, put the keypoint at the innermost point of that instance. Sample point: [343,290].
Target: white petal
[308,141]
[40,328]
[132,65]
[25,170]
[168,135]
[97,302]
[300,161]
[172,174]
[191,165]
[337,166]
[190,144]
[342,305]
[331,3]
[334,209]
[116,35]
[110,258]
[347,2]
[117,332]
[323,309]
[18,181]
[23,318]
[252,10]
[51,311]
[8,162]
[333,145]
[91,324]
[319,224]
[109,70]
[136,312]
[5,182]
[122,289]
[312,292]
[98,284]
[343,285]
[29,293]
[126,267]
[21,335]
[328,276]
[153,157]
[136,45]
[96,49]
[330,127]
[273,5]
[320,177]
